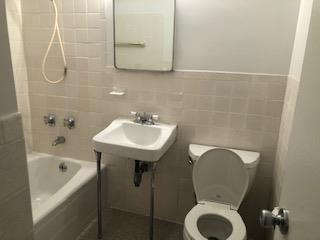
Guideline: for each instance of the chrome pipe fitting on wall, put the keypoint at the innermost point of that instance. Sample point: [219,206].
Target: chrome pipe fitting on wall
[69,122]
[50,120]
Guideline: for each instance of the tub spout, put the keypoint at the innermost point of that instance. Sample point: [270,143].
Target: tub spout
[59,140]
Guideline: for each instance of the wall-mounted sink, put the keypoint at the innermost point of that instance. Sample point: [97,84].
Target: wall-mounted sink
[137,141]
[140,139]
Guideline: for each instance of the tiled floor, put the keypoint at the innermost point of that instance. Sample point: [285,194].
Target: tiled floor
[118,225]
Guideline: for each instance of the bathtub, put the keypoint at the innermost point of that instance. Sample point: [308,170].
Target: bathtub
[63,195]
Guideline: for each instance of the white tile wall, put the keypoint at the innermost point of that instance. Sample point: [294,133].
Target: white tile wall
[15,206]
[14,19]
[284,136]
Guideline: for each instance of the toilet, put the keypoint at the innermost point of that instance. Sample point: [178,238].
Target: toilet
[221,179]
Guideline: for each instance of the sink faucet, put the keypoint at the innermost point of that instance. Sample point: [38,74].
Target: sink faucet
[59,140]
[144,118]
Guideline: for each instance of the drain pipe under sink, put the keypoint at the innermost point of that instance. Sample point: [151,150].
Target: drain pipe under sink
[139,169]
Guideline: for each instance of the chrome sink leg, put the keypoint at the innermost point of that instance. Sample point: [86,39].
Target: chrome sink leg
[98,159]
[152,187]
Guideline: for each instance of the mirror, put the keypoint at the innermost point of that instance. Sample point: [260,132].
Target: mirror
[144,34]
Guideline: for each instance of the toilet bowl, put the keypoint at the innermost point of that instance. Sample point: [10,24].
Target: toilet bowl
[213,221]
[221,179]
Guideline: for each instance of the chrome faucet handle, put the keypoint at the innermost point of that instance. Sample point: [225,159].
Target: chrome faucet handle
[151,118]
[155,117]
[136,116]
[133,114]
[69,122]
[50,120]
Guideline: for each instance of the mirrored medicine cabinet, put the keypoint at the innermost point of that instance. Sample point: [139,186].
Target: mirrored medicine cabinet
[144,34]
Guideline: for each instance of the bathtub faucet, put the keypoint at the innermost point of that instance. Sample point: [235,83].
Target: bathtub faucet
[59,140]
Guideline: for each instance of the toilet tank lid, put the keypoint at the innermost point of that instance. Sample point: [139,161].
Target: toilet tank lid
[250,159]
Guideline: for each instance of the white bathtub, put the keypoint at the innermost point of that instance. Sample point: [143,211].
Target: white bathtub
[58,197]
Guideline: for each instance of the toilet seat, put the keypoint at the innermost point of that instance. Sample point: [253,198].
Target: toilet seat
[220,176]
[220,181]
[223,211]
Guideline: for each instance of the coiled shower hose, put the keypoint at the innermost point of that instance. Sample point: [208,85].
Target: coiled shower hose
[56,30]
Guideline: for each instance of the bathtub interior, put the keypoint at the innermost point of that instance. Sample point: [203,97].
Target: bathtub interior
[46,178]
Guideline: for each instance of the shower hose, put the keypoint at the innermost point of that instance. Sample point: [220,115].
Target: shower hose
[56,30]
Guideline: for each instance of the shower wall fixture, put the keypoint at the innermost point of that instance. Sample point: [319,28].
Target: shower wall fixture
[56,30]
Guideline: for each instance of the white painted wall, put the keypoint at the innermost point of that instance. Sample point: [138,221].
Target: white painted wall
[8,102]
[300,41]
[232,35]
[291,94]
[300,192]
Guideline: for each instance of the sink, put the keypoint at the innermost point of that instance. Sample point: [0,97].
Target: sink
[137,141]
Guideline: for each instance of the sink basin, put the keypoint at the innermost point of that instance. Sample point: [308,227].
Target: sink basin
[125,138]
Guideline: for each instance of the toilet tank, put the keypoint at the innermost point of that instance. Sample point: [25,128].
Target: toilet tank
[250,159]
